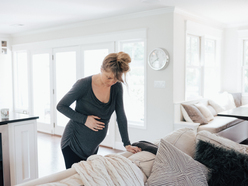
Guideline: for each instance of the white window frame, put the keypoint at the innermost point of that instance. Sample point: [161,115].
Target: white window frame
[244,67]
[200,67]
[204,32]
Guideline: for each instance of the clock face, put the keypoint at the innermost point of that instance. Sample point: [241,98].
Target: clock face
[158,58]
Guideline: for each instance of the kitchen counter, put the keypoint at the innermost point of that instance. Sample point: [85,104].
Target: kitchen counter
[18,145]
[17,118]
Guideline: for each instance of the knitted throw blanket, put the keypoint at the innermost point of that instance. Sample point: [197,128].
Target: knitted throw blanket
[110,170]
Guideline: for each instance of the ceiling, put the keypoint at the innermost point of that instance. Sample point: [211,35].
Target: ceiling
[17,16]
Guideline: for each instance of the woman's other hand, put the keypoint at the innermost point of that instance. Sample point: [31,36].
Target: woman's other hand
[132,149]
[94,124]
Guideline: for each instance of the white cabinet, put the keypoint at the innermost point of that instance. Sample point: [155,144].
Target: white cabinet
[23,156]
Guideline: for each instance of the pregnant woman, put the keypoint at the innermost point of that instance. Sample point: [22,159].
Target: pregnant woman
[97,97]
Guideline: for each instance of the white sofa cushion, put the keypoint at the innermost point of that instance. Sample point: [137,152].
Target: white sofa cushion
[205,111]
[221,141]
[173,167]
[218,124]
[183,139]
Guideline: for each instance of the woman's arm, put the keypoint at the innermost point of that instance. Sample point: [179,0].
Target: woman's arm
[121,116]
[75,93]
[122,122]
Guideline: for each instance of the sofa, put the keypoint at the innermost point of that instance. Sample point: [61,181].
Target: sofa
[184,157]
[201,114]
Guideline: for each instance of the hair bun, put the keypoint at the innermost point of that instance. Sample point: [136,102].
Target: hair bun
[123,57]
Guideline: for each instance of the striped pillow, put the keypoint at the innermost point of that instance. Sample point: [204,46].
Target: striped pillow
[174,167]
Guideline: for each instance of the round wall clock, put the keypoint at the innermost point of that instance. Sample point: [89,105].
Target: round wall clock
[158,59]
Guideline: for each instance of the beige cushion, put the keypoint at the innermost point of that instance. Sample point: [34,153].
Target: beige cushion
[212,110]
[185,115]
[221,141]
[183,139]
[173,167]
[205,111]
[194,114]
[126,154]
[218,124]
[144,160]
[216,106]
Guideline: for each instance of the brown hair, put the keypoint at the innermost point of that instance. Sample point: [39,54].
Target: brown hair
[118,63]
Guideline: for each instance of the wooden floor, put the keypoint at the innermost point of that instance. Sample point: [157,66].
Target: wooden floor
[50,158]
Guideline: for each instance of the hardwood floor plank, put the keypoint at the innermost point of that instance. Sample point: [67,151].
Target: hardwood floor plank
[50,158]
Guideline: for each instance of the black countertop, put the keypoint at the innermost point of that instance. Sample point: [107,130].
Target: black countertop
[17,118]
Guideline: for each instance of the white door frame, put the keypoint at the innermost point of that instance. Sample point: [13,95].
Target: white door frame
[58,130]
[47,128]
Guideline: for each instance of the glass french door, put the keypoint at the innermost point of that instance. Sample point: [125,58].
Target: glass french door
[53,74]
[42,90]
[93,56]
[65,62]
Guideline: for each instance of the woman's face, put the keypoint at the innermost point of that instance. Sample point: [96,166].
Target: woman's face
[108,78]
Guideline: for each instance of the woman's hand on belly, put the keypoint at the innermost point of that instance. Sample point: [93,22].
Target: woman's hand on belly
[93,123]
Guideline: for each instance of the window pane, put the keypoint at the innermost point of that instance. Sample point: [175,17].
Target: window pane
[93,61]
[193,51]
[134,91]
[210,52]
[246,53]
[246,80]
[21,81]
[211,81]
[193,80]
[65,78]
[41,87]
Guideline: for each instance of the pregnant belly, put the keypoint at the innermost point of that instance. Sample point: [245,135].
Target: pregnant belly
[90,139]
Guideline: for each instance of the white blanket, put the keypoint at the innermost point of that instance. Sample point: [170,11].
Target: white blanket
[109,170]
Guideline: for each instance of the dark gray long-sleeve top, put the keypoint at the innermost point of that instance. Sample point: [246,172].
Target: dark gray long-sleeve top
[81,139]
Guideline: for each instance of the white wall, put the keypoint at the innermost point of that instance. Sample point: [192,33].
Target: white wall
[231,70]
[179,56]
[232,59]
[159,24]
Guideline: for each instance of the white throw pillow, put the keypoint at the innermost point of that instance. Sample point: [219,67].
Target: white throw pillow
[144,160]
[173,167]
[183,139]
[225,100]
[216,106]
[205,111]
